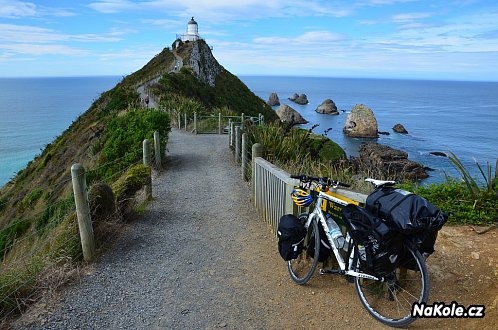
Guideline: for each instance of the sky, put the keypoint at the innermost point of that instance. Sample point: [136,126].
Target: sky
[404,39]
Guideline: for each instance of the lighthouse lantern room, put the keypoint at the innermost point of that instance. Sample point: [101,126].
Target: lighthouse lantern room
[192,31]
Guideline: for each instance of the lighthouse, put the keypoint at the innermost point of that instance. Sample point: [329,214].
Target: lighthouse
[192,31]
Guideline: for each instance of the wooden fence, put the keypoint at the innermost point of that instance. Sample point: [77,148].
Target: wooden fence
[270,185]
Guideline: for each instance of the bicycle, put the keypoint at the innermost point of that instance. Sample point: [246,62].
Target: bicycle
[387,298]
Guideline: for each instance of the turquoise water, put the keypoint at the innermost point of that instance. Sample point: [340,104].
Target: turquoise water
[33,111]
[461,117]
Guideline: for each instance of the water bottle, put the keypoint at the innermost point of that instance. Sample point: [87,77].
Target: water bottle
[335,232]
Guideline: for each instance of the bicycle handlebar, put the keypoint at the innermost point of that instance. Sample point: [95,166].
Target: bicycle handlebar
[323,180]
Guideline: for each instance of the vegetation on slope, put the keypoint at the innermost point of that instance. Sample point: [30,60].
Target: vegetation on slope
[38,227]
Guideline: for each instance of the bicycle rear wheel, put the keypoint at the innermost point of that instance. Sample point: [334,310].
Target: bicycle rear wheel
[391,301]
[302,268]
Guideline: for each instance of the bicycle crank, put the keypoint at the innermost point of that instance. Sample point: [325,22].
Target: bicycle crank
[331,271]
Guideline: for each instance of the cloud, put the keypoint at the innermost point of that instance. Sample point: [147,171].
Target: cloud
[409,17]
[113,6]
[32,34]
[14,9]
[312,37]
[226,10]
[19,9]
[40,49]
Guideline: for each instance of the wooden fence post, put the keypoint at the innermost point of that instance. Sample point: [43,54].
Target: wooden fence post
[179,121]
[257,151]
[244,156]
[195,122]
[147,162]
[83,211]
[237,144]
[185,117]
[157,151]
[146,152]
[232,135]
[229,133]
[219,122]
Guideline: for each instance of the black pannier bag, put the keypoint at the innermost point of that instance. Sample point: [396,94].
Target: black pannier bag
[291,234]
[380,247]
[325,249]
[409,213]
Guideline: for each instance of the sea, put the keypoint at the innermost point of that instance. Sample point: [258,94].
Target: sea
[440,116]
[34,111]
[456,116]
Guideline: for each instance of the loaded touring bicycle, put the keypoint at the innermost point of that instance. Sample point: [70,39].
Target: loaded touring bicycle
[380,246]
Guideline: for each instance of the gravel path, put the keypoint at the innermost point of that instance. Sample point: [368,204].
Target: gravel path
[180,266]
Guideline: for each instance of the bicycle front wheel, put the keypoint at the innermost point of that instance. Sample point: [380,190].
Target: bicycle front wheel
[302,268]
[391,301]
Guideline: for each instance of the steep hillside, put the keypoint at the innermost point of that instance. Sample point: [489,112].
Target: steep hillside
[37,222]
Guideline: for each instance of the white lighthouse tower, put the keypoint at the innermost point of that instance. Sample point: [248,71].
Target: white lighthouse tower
[192,31]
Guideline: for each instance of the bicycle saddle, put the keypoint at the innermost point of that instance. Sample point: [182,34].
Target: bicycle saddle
[380,183]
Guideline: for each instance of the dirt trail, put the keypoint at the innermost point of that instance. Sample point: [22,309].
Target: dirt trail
[201,258]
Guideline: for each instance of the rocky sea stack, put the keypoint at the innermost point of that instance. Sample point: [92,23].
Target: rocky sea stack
[361,123]
[273,100]
[398,128]
[301,99]
[290,116]
[327,107]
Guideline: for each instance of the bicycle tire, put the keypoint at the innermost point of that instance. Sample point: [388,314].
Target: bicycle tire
[302,268]
[391,302]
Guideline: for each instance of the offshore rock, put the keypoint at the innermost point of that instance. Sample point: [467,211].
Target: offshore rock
[327,107]
[388,162]
[398,128]
[273,100]
[290,116]
[301,99]
[361,123]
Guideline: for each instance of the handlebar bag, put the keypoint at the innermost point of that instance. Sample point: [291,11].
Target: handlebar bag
[291,233]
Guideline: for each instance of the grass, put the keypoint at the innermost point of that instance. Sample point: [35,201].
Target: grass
[282,143]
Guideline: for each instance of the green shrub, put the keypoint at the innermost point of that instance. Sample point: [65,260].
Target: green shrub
[124,137]
[9,234]
[30,199]
[54,214]
[281,144]
[133,180]
[3,203]
[454,197]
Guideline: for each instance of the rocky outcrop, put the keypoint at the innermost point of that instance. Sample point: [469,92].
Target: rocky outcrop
[438,153]
[398,128]
[301,99]
[385,161]
[290,116]
[361,123]
[327,107]
[203,63]
[273,100]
